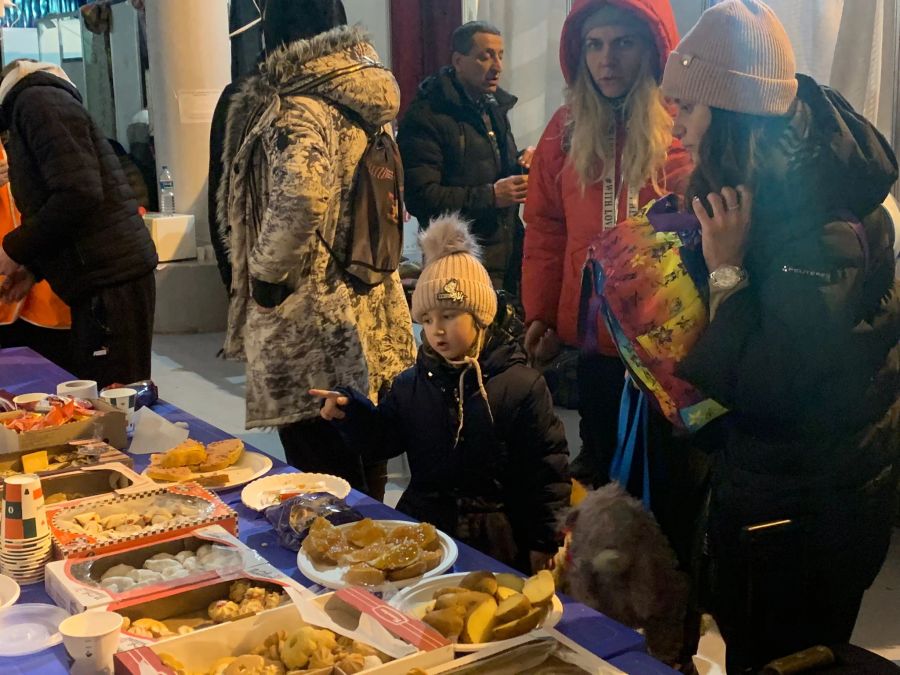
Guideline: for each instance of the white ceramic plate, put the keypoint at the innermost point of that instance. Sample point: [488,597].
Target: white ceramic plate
[263,493]
[416,600]
[9,591]
[30,628]
[249,467]
[331,576]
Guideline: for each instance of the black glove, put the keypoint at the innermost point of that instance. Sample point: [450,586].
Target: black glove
[268,295]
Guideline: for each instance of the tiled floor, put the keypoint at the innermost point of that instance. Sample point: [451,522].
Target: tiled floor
[189,375]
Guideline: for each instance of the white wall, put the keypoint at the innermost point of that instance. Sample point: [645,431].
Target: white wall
[687,12]
[374,15]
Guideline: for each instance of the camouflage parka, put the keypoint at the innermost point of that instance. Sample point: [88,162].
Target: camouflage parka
[290,160]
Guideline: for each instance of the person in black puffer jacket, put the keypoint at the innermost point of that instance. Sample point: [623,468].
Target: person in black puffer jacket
[459,153]
[802,345]
[80,225]
[487,454]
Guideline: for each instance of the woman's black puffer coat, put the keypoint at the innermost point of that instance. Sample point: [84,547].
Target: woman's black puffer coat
[81,230]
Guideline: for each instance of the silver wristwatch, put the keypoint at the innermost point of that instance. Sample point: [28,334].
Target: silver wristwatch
[726,277]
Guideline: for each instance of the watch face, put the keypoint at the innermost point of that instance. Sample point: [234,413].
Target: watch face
[726,277]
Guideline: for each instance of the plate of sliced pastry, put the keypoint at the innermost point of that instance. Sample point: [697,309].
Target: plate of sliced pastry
[218,466]
[377,554]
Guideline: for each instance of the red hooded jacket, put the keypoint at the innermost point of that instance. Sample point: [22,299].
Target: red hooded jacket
[561,221]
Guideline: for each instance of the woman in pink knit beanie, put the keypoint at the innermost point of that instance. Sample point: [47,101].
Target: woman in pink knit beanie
[802,345]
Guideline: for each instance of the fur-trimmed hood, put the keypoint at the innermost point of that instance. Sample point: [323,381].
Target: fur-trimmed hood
[372,92]
[301,66]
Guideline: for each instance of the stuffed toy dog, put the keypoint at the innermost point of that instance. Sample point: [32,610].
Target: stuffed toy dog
[618,562]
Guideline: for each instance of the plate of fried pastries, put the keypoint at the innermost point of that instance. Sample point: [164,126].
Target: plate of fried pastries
[375,554]
[217,466]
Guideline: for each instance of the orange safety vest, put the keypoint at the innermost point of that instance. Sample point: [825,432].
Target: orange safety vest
[41,307]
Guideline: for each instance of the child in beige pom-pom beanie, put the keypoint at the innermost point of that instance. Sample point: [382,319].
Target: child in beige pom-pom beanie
[487,453]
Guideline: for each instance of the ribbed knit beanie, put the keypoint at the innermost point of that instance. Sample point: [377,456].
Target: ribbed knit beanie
[738,57]
[453,277]
[612,15]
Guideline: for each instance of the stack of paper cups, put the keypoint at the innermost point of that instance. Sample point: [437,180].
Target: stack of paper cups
[83,389]
[25,543]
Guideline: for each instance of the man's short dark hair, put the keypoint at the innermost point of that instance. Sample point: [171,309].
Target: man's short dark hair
[464,37]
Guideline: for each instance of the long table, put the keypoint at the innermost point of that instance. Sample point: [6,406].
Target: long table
[23,371]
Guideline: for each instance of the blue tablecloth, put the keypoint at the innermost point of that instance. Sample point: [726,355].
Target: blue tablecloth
[23,371]
[639,663]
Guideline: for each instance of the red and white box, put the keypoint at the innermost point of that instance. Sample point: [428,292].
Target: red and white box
[76,585]
[190,506]
[408,642]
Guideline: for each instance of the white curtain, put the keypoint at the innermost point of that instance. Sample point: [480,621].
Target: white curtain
[852,46]
[531,72]
[865,69]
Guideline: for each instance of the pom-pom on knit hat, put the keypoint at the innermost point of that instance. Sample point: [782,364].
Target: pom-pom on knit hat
[453,276]
[738,57]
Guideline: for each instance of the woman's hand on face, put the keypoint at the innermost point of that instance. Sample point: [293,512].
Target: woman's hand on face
[332,403]
[725,231]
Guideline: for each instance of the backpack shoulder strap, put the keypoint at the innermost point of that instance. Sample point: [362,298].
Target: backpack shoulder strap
[860,233]
[353,116]
[308,88]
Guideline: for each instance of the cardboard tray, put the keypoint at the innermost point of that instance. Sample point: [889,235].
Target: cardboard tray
[109,426]
[513,658]
[73,584]
[187,605]
[94,481]
[199,650]
[12,461]
[69,544]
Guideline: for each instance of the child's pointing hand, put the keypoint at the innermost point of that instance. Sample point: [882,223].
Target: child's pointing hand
[331,406]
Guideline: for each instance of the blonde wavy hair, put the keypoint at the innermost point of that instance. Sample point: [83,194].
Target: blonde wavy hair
[648,127]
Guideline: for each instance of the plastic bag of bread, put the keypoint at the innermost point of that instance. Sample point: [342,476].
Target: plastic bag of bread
[291,518]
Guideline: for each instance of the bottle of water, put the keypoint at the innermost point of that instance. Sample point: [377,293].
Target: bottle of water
[166,192]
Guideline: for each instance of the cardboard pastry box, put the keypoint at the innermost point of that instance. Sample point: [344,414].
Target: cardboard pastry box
[543,652]
[76,584]
[61,459]
[109,425]
[350,612]
[90,527]
[70,486]
[186,610]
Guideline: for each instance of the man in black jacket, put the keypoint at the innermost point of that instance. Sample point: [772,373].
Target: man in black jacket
[80,225]
[459,153]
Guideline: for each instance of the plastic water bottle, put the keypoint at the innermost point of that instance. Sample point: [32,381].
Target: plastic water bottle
[166,192]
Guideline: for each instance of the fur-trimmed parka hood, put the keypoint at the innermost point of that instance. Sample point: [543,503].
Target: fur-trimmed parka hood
[294,70]
[339,65]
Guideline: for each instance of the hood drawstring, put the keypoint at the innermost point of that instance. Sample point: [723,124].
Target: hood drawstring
[470,362]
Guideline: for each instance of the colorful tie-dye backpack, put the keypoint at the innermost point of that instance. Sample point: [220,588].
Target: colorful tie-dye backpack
[643,280]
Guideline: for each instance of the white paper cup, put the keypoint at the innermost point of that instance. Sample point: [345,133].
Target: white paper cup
[83,389]
[122,399]
[29,402]
[91,638]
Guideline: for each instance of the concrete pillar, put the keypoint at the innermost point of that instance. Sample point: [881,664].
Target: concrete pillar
[190,65]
